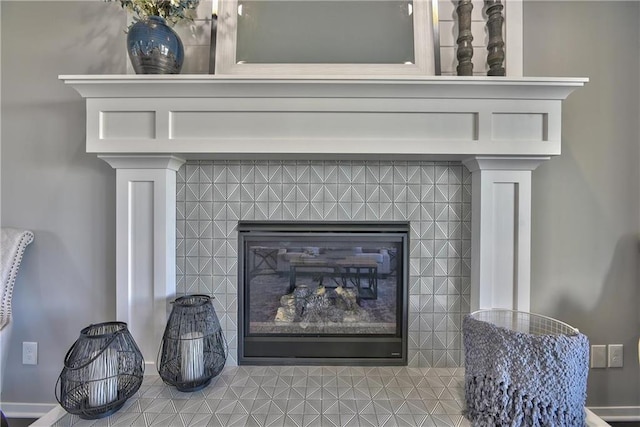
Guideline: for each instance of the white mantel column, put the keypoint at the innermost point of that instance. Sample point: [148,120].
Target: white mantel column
[145,244]
[501,231]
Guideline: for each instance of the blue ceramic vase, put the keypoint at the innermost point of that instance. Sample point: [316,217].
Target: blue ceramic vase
[154,48]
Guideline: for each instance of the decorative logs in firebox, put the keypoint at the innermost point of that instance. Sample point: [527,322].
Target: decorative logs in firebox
[321,305]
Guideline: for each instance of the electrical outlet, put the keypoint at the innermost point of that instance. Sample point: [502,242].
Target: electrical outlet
[615,356]
[29,353]
[598,356]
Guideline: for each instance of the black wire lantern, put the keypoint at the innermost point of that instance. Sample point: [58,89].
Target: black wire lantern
[102,369]
[193,349]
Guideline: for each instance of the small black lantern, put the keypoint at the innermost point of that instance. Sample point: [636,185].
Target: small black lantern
[102,369]
[193,347]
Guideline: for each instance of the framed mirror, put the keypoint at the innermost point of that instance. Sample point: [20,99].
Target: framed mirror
[325,37]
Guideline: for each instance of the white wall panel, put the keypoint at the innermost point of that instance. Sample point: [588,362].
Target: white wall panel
[140,260]
[504,217]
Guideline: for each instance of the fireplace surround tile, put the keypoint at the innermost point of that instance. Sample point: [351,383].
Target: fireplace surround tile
[434,196]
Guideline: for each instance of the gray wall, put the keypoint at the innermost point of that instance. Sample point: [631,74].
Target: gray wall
[51,186]
[586,216]
[586,202]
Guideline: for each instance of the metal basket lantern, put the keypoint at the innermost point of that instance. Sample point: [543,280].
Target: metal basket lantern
[193,349]
[102,369]
[524,369]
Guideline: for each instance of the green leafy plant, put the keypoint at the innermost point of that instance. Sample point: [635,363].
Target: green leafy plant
[172,11]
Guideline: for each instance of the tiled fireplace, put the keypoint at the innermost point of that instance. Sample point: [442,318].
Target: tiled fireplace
[452,156]
[435,197]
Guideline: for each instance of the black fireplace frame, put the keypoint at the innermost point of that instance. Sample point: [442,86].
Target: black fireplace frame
[324,350]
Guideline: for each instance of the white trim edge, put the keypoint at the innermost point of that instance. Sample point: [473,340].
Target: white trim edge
[514,38]
[51,417]
[48,414]
[593,420]
[27,410]
[617,413]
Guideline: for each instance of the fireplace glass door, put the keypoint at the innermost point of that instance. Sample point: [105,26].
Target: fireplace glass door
[323,292]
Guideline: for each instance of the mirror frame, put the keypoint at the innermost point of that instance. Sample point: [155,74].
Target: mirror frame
[426,49]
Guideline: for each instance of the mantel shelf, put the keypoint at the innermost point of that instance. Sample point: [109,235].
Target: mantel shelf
[208,85]
[238,116]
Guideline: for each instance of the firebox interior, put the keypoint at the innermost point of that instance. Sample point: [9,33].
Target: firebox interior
[323,293]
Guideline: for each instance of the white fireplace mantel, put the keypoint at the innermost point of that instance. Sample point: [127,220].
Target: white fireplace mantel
[147,126]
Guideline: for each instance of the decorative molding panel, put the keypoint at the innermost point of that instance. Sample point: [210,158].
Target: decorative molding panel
[191,116]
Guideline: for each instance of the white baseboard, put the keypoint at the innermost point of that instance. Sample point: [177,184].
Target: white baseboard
[26,410]
[38,410]
[617,413]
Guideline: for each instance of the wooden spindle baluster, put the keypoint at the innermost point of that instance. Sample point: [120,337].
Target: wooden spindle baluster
[465,48]
[495,48]
[465,37]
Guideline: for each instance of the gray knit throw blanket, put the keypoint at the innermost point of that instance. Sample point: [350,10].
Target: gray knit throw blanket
[516,379]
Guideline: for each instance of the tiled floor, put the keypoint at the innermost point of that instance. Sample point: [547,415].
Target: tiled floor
[300,397]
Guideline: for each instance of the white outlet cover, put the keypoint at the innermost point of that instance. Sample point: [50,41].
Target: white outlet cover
[29,353]
[598,356]
[616,358]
